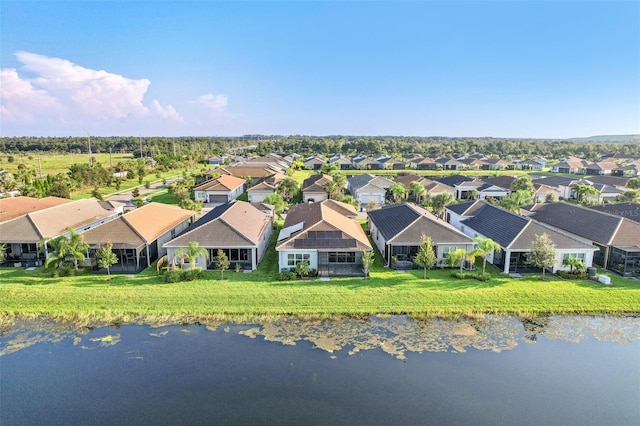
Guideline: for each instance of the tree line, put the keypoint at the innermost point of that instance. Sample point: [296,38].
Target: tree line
[198,148]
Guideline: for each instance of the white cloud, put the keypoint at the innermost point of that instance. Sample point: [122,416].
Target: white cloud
[166,112]
[214,102]
[58,94]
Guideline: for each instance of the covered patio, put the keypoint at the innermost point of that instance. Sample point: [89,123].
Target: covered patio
[625,261]
[132,258]
[341,264]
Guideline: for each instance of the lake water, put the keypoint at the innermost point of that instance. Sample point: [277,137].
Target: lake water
[381,370]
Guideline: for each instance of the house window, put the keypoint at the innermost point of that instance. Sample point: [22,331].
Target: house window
[294,258]
[342,257]
[579,256]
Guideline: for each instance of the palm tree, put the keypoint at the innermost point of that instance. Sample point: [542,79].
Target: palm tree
[339,179]
[484,247]
[328,168]
[191,252]
[398,191]
[331,188]
[418,190]
[77,247]
[455,256]
[56,250]
[440,201]
[287,188]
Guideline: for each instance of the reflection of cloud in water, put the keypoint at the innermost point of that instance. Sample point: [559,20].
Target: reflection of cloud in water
[395,335]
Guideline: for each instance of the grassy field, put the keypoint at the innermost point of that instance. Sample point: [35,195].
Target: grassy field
[57,163]
[257,294]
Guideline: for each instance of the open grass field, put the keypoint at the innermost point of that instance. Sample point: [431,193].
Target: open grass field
[258,294]
[57,163]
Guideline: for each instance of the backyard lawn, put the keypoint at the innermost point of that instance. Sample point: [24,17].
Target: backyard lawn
[260,294]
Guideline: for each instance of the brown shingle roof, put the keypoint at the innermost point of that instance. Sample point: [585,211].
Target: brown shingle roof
[54,221]
[221,183]
[12,207]
[118,231]
[154,219]
[328,215]
[235,224]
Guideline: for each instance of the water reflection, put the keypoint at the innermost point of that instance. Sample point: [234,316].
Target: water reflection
[395,335]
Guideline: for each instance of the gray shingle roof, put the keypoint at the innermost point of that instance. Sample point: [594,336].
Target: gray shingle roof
[358,181]
[591,224]
[629,210]
[393,219]
[498,224]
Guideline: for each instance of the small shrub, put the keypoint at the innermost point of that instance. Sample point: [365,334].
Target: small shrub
[179,275]
[147,184]
[286,276]
[573,276]
[471,276]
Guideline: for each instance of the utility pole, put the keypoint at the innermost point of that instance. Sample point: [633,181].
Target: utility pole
[140,137]
[90,159]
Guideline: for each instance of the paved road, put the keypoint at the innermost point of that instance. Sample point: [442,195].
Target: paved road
[126,196]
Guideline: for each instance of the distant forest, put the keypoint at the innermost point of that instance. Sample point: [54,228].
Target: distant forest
[305,145]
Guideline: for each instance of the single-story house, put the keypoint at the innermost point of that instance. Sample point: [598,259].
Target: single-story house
[617,237]
[397,231]
[515,234]
[313,188]
[22,234]
[264,188]
[138,236]
[368,188]
[326,236]
[219,190]
[237,228]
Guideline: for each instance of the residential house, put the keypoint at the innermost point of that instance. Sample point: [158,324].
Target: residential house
[237,228]
[449,163]
[600,168]
[267,186]
[421,163]
[315,162]
[544,193]
[452,180]
[389,163]
[216,160]
[368,188]
[341,162]
[618,238]
[498,164]
[13,207]
[137,236]
[397,231]
[531,164]
[368,164]
[326,236]
[23,233]
[431,186]
[515,234]
[570,165]
[313,188]
[219,190]
[465,188]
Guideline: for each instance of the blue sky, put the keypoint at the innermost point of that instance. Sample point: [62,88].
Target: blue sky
[502,69]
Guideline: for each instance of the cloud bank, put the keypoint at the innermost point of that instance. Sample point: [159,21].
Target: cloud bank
[53,96]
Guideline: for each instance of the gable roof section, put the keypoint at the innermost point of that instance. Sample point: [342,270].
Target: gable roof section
[406,223]
[233,224]
[118,231]
[358,181]
[501,181]
[324,227]
[19,230]
[316,183]
[498,224]
[268,183]
[593,225]
[54,221]
[562,240]
[463,209]
[391,220]
[154,219]
[221,183]
[12,207]
[452,180]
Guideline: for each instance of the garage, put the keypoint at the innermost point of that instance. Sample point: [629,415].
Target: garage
[219,199]
[370,198]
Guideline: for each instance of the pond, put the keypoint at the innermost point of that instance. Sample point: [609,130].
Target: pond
[377,370]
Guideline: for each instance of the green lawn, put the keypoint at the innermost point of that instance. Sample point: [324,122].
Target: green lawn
[256,294]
